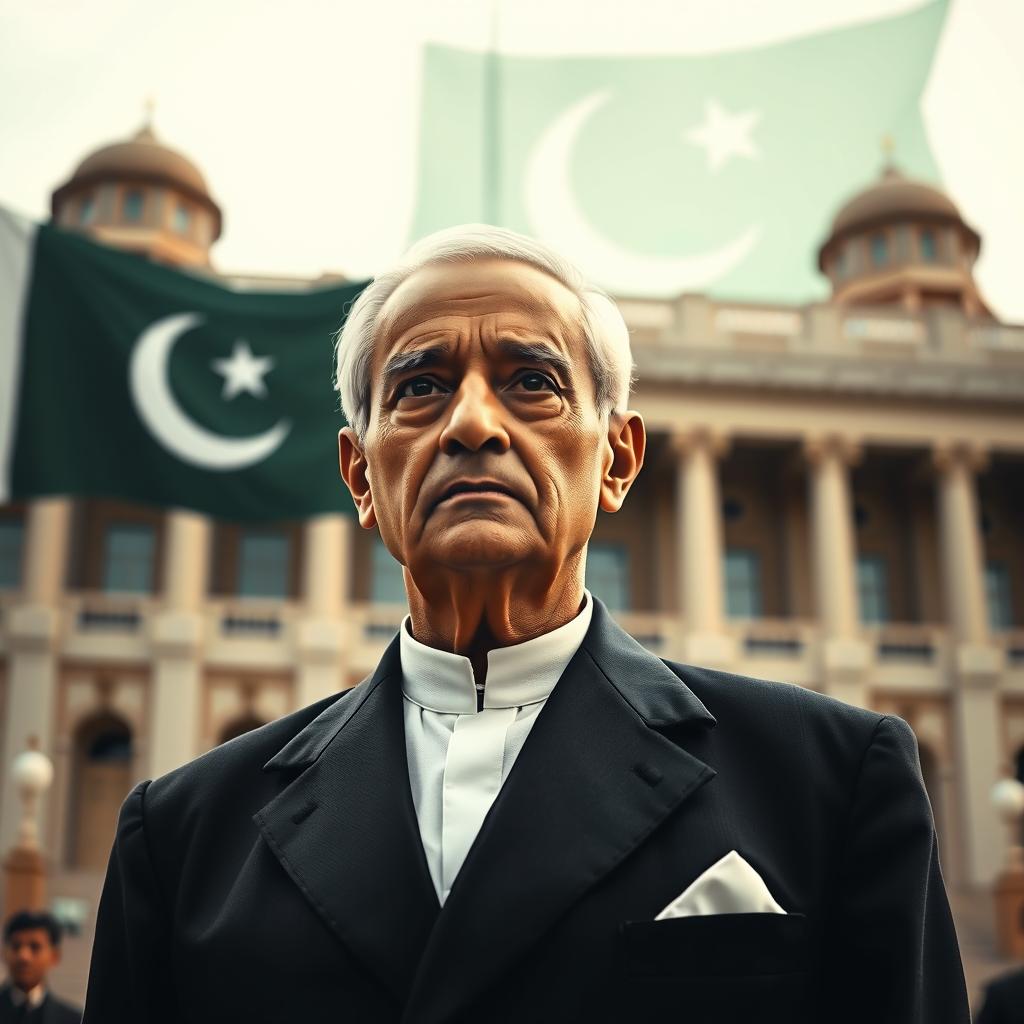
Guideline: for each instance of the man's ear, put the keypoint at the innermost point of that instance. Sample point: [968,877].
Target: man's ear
[627,438]
[353,466]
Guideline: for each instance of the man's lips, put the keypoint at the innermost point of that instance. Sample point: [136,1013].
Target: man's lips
[479,488]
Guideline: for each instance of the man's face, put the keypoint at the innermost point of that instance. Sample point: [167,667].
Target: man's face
[480,373]
[29,955]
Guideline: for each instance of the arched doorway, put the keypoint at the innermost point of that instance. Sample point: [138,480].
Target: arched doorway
[1019,766]
[933,784]
[237,726]
[102,777]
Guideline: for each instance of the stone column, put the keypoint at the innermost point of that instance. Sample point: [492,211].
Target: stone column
[326,583]
[976,664]
[177,638]
[699,544]
[33,638]
[845,657]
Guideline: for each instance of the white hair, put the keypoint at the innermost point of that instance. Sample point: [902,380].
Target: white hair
[604,331]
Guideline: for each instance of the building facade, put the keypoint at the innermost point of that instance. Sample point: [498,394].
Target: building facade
[833,496]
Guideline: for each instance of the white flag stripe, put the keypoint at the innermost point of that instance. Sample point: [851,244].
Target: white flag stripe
[17,240]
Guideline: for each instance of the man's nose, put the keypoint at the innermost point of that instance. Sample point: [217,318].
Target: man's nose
[476,418]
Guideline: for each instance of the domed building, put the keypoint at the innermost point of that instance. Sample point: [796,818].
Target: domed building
[902,241]
[142,196]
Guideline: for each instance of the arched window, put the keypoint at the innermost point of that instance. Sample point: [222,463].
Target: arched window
[237,726]
[101,779]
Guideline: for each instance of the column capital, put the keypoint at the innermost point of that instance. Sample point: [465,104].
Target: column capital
[34,628]
[176,635]
[684,440]
[947,455]
[819,447]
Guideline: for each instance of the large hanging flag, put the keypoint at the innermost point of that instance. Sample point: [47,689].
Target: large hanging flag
[122,378]
[669,174]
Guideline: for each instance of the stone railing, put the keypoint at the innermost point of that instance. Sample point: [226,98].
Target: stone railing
[883,332]
[92,613]
[255,619]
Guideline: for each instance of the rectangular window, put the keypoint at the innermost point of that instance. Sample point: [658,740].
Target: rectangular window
[873,588]
[12,540]
[929,254]
[997,592]
[607,574]
[87,211]
[903,243]
[263,563]
[132,207]
[181,219]
[387,583]
[742,584]
[879,250]
[128,558]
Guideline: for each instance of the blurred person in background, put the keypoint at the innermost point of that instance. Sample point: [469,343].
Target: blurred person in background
[1004,1000]
[31,951]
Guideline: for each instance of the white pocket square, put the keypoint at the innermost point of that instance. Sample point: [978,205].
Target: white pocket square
[729,886]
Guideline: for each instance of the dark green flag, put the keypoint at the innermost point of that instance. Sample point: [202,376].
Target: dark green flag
[142,382]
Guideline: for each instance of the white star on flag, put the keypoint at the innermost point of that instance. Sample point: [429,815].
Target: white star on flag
[723,135]
[243,371]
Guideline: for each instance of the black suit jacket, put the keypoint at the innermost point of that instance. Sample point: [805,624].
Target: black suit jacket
[1004,1000]
[281,877]
[50,1011]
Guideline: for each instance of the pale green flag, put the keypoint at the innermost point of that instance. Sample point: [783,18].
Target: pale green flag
[669,174]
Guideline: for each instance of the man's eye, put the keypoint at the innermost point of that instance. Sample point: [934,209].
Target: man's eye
[415,387]
[534,381]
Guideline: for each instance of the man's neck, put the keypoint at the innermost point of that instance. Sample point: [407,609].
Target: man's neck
[475,620]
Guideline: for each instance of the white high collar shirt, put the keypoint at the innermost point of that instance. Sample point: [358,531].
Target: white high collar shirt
[459,756]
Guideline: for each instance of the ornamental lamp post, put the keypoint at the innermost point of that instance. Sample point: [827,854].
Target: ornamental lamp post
[1008,799]
[25,865]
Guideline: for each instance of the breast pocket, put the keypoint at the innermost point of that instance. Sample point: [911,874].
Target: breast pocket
[717,968]
[715,944]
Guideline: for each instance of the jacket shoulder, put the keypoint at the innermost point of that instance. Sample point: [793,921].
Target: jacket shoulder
[793,723]
[747,695]
[62,1012]
[234,767]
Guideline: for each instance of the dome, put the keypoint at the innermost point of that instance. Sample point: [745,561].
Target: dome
[142,156]
[894,197]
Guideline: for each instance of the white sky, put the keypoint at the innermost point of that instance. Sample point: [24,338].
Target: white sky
[303,115]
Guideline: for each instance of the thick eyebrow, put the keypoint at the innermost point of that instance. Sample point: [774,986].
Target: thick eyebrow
[427,358]
[418,359]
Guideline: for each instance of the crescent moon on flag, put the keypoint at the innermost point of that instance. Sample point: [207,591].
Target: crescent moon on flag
[556,217]
[168,422]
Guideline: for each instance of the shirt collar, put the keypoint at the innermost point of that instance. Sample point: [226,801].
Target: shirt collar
[35,995]
[521,674]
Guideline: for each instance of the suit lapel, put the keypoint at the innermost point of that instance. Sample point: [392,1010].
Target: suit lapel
[592,781]
[345,830]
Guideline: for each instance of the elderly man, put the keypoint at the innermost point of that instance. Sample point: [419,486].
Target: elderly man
[522,815]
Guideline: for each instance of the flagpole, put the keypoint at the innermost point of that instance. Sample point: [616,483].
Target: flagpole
[492,124]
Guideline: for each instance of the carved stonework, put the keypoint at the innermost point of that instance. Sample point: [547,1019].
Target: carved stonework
[819,448]
[950,455]
[684,442]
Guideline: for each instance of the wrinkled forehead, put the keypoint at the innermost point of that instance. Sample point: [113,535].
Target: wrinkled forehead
[532,298]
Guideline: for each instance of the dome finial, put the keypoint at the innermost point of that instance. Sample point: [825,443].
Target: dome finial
[889,168]
[146,133]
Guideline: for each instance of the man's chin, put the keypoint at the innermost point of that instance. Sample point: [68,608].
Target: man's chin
[476,551]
